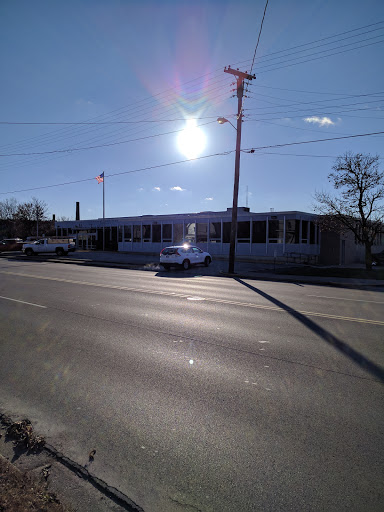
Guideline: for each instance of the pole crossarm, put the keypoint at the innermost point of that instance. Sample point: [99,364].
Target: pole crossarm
[239,74]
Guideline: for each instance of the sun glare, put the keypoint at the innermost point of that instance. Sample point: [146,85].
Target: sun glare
[191,140]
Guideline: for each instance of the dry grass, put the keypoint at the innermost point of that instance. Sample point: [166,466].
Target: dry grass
[19,492]
[23,436]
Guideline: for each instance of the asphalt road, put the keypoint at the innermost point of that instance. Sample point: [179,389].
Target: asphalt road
[200,393]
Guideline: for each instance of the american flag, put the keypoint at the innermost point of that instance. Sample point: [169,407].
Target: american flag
[100,178]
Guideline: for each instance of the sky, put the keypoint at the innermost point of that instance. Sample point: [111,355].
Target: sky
[137,73]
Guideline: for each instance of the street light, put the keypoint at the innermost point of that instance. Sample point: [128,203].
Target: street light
[222,120]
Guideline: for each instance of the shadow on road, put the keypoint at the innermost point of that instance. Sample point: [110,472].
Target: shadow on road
[368,365]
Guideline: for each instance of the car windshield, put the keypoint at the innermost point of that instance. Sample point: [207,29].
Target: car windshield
[169,250]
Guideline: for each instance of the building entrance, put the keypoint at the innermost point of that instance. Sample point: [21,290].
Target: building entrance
[86,241]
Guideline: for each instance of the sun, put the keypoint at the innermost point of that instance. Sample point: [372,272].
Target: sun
[191,140]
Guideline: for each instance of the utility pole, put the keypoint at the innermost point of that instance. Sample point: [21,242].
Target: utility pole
[240,77]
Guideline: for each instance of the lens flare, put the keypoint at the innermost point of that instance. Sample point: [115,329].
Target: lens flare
[191,140]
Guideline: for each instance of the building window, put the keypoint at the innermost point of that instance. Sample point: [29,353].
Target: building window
[243,232]
[146,233]
[190,232]
[167,232]
[312,231]
[201,232]
[137,233]
[304,231]
[292,231]
[226,232]
[259,232]
[156,233]
[276,231]
[215,232]
[178,235]
[127,233]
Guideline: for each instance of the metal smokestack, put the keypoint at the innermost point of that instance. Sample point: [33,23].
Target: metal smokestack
[77,210]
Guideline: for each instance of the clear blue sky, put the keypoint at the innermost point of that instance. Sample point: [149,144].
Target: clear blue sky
[152,64]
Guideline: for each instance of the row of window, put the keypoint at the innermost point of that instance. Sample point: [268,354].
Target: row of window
[296,231]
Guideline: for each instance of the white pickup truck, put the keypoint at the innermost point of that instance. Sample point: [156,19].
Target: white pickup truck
[49,245]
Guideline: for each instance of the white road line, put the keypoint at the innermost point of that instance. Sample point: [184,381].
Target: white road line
[23,302]
[341,298]
[206,299]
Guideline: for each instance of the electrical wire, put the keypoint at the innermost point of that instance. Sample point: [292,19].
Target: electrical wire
[323,114]
[249,150]
[252,150]
[328,37]
[317,58]
[258,38]
[307,108]
[67,150]
[133,110]
[121,173]
[265,59]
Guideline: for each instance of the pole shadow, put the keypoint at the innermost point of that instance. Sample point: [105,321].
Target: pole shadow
[358,358]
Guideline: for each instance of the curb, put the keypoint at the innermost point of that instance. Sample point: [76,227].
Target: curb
[219,273]
[80,471]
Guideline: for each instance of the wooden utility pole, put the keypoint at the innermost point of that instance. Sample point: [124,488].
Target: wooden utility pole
[240,77]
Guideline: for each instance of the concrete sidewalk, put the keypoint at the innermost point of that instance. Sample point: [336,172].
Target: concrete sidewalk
[246,269]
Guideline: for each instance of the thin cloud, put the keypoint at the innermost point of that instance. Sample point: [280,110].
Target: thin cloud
[177,188]
[157,189]
[140,189]
[321,121]
[209,199]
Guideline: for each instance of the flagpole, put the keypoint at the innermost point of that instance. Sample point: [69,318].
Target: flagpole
[103,212]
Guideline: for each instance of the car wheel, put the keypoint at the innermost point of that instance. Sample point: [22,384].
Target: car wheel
[186,264]
[28,252]
[207,261]
[59,251]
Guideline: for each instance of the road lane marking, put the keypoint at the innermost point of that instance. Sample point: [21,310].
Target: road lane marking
[23,302]
[341,298]
[206,299]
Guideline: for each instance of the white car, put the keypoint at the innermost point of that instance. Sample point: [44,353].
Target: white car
[183,255]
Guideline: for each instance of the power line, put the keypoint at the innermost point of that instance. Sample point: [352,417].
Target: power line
[68,150]
[313,108]
[167,93]
[298,154]
[105,122]
[322,51]
[252,150]
[315,102]
[132,110]
[265,59]
[319,40]
[323,114]
[329,37]
[120,173]
[299,90]
[317,58]
[249,150]
[258,39]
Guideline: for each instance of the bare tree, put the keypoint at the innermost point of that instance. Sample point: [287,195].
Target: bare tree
[8,209]
[63,218]
[30,214]
[359,206]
